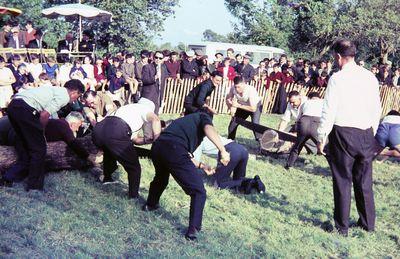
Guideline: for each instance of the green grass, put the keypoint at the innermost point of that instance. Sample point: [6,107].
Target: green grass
[78,217]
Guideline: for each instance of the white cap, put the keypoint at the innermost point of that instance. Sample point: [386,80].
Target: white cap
[190,53]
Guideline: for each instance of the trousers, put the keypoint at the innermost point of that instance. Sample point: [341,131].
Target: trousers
[113,136]
[351,154]
[172,158]
[255,118]
[30,145]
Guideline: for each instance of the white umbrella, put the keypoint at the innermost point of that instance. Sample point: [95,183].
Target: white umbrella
[74,11]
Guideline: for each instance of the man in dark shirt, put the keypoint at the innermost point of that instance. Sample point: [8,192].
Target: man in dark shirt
[246,70]
[189,67]
[196,100]
[172,154]
[173,66]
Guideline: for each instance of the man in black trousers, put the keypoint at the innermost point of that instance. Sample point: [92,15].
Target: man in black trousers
[172,153]
[196,100]
[29,113]
[351,123]
[116,136]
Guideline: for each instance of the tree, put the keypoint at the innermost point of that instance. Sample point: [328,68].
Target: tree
[134,24]
[210,35]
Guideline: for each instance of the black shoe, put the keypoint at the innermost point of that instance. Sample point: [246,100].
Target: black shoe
[148,207]
[287,167]
[258,184]
[5,183]
[108,180]
[33,188]
[191,234]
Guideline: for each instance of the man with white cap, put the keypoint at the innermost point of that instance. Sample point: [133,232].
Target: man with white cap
[117,134]
[189,67]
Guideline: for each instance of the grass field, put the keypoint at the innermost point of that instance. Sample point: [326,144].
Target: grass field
[76,216]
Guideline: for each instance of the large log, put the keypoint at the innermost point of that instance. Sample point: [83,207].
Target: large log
[59,156]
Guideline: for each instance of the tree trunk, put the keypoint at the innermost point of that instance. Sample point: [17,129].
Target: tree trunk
[59,156]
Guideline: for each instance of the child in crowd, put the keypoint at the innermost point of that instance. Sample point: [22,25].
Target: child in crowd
[51,69]
[116,86]
[23,79]
[99,73]
[44,80]
[65,70]
[77,72]
[89,70]
[35,68]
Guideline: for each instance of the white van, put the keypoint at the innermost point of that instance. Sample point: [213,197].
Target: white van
[256,53]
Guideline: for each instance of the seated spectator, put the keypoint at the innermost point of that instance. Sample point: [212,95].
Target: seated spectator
[6,80]
[388,134]
[15,62]
[89,70]
[65,70]
[116,87]
[227,70]
[99,74]
[128,71]
[35,68]
[64,47]
[323,79]
[51,68]
[37,42]
[173,66]
[307,124]
[23,79]
[86,45]
[77,72]
[44,80]
[16,39]
[112,67]
[97,105]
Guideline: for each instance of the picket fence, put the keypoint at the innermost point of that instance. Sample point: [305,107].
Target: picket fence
[176,90]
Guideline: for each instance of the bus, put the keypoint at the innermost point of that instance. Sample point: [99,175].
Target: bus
[256,53]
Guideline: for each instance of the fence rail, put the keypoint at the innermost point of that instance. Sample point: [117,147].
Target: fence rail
[176,90]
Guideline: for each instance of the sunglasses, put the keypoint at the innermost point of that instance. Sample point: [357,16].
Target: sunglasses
[158,57]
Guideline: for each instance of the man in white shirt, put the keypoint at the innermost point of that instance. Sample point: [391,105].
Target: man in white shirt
[309,116]
[243,101]
[116,136]
[350,121]
[292,111]
[6,79]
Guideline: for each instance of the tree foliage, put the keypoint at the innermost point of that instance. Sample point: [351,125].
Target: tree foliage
[134,23]
[311,26]
[210,35]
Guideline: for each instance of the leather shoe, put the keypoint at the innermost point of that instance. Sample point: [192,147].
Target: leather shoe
[148,207]
[191,234]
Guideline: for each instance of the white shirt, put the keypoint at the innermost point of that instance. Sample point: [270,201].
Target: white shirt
[89,69]
[135,114]
[311,107]
[351,100]
[35,70]
[291,111]
[6,76]
[249,96]
[391,119]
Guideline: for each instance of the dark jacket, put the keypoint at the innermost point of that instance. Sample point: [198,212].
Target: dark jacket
[153,89]
[197,96]
[190,69]
[247,72]
[33,44]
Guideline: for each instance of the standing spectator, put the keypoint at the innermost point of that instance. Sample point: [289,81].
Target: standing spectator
[144,60]
[230,54]
[205,68]
[396,78]
[261,71]
[246,70]
[375,71]
[6,80]
[322,80]
[173,66]
[276,76]
[29,114]
[17,39]
[351,123]
[243,101]
[288,76]
[227,70]
[153,77]
[386,79]
[5,34]
[219,57]
[29,33]
[189,66]
[239,61]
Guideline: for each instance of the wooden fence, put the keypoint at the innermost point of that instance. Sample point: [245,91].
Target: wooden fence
[176,90]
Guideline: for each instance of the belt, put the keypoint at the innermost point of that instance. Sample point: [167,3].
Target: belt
[20,100]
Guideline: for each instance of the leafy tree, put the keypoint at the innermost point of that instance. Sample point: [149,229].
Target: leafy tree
[134,24]
[210,35]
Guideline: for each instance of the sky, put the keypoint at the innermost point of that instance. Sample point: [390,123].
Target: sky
[192,18]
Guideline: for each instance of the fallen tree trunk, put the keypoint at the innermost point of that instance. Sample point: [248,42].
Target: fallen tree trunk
[59,156]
